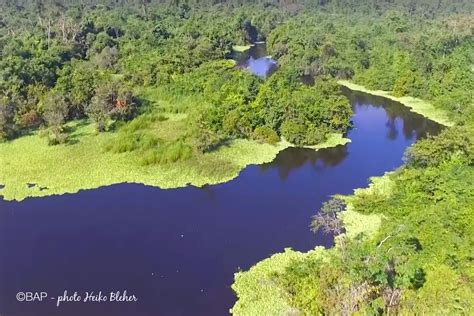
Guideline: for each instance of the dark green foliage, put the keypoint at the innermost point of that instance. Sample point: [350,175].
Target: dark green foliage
[421,254]
[62,61]
[418,279]
[294,132]
[111,102]
[204,137]
[430,59]
[456,141]
[265,134]
[55,113]
[7,127]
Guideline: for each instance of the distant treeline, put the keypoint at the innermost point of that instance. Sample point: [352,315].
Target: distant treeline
[418,7]
[58,60]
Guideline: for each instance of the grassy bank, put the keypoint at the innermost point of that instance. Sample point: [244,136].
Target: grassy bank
[416,105]
[31,168]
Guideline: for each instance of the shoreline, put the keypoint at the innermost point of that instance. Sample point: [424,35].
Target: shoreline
[415,105]
[265,294]
[34,169]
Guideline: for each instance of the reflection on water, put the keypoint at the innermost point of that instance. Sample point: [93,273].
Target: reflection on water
[383,116]
[256,61]
[177,250]
[413,125]
[294,158]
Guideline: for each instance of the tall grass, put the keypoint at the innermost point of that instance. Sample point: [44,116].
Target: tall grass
[167,153]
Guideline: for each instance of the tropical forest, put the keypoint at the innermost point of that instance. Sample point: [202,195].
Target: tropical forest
[246,157]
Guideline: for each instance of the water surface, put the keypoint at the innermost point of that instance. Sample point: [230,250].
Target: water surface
[177,250]
[256,60]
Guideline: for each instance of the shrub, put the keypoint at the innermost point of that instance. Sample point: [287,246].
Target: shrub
[7,127]
[30,119]
[293,132]
[435,150]
[111,101]
[55,112]
[265,134]
[56,135]
[315,135]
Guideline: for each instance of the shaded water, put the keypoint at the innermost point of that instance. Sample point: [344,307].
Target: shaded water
[257,61]
[177,250]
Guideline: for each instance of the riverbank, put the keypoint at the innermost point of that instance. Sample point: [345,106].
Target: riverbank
[31,168]
[416,105]
[258,290]
[395,214]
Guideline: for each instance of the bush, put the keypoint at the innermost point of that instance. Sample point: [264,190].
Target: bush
[56,135]
[293,132]
[55,113]
[7,127]
[264,134]
[316,135]
[435,150]
[111,101]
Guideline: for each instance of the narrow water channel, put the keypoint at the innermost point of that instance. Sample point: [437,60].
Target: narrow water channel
[177,250]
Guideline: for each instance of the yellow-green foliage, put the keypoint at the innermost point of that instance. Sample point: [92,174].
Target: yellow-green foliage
[357,223]
[377,186]
[443,287]
[257,290]
[83,165]
[241,48]
[332,140]
[367,224]
[416,105]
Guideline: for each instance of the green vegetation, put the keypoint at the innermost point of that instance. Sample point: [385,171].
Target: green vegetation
[257,289]
[407,247]
[241,48]
[167,105]
[416,105]
[404,245]
[98,160]
[260,289]
[144,91]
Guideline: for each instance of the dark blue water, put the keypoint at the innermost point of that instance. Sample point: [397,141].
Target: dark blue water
[177,250]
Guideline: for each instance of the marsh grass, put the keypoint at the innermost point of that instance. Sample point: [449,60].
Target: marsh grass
[166,154]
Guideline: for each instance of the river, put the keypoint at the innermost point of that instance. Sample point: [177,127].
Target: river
[177,250]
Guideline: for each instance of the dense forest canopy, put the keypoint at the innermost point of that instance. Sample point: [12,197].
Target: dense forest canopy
[106,61]
[70,52]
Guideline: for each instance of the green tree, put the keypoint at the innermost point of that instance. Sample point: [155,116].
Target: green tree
[55,112]
[7,111]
